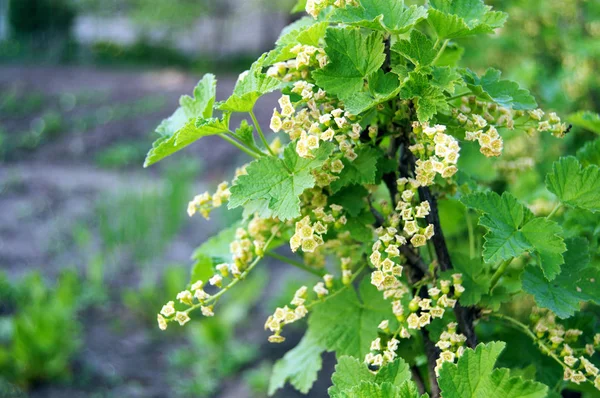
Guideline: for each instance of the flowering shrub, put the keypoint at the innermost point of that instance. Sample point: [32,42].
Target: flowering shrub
[362,177]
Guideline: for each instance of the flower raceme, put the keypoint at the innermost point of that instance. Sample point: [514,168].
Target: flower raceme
[370,160]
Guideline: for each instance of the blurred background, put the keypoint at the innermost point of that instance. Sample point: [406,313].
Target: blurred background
[92,245]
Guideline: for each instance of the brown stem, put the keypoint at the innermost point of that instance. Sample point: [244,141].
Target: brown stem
[432,353]
[418,379]
[465,316]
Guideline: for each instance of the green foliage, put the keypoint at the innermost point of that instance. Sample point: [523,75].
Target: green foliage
[452,19]
[191,121]
[504,92]
[344,322]
[474,376]
[514,230]
[367,187]
[354,56]
[586,120]
[299,366]
[382,15]
[574,185]
[576,282]
[350,373]
[272,186]
[250,88]
[44,334]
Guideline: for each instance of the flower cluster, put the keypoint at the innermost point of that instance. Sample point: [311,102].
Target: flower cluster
[308,236]
[248,246]
[381,353]
[563,343]
[451,345]
[436,152]
[205,203]
[320,121]
[287,315]
[441,297]
[386,258]
[314,7]
[481,121]
[307,58]
[490,142]
[550,122]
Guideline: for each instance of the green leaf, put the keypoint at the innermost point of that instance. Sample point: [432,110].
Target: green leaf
[381,88]
[305,31]
[503,92]
[250,88]
[445,78]
[372,390]
[351,372]
[201,105]
[419,49]
[386,15]
[352,57]
[513,230]
[545,236]
[299,366]
[245,133]
[360,226]
[578,281]
[590,153]
[347,324]
[186,135]
[429,100]
[575,186]
[363,170]
[351,198]
[272,186]
[474,376]
[178,131]
[586,120]
[452,19]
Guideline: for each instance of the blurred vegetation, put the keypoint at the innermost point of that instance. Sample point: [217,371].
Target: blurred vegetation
[39,330]
[144,223]
[31,17]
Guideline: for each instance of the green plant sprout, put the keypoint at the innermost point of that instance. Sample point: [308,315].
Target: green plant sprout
[371,173]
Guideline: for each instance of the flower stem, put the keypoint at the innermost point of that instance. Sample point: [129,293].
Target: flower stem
[216,296]
[439,54]
[261,134]
[471,234]
[499,272]
[296,264]
[239,146]
[525,329]
[554,211]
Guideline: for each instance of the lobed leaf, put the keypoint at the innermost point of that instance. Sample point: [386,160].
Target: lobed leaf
[474,376]
[578,281]
[299,366]
[574,185]
[272,186]
[513,230]
[347,324]
[353,56]
[386,15]
[503,92]
[180,130]
[453,19]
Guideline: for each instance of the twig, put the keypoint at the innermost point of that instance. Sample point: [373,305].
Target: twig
[418,379]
